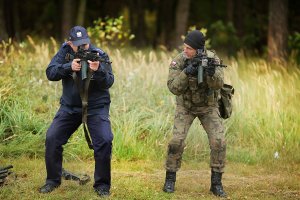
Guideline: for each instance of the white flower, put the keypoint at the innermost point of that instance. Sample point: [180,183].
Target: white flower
[276,155]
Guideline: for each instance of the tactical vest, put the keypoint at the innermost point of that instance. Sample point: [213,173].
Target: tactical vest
[198,95]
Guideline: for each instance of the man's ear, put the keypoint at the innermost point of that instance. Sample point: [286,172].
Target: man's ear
[72,46]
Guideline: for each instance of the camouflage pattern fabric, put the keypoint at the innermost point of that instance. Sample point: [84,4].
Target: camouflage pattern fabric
[193,101]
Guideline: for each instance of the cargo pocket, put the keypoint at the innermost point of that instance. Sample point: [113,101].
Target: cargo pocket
[187,98]
[193,83]
[210,95]
[196,97]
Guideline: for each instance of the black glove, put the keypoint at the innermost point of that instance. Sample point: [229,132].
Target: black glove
[191,70]
[210,71]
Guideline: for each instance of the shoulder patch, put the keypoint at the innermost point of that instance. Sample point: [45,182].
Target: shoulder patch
[178,60]
[173,63]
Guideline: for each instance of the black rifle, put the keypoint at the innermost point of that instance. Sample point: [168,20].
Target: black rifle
[84,56]
[5,168]
[4,172]
[82,179]
[202,62]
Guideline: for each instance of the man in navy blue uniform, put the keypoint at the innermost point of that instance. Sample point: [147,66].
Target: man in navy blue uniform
[69,116]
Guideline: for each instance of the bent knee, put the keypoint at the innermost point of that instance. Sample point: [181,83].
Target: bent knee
[218,144]
[176,146]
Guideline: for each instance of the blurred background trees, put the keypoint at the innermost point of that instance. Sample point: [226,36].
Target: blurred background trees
[267,28]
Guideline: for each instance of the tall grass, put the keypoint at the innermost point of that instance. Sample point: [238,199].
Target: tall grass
[265,118]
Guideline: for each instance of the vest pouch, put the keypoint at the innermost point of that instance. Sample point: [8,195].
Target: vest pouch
[187,97]
[193,83]
[225,103]
[210,97]
[196,97]
[187,104]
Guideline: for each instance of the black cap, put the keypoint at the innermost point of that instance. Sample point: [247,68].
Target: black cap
[78,36]
[195,39]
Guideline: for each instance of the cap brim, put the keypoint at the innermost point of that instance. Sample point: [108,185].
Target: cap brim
[81,42]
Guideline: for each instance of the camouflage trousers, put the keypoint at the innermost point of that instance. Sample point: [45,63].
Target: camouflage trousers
[212,124]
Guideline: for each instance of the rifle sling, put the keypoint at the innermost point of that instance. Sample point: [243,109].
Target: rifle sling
[83,91]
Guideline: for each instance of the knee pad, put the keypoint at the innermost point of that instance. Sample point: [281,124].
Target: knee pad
[175,147]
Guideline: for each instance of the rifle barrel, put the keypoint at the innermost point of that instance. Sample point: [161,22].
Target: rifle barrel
[6,168]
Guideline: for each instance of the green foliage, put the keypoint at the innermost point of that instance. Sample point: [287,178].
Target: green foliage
[224,37]
[110,31]
[294,46]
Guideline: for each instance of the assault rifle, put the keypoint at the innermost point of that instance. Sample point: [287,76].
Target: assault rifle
[202,62]
[4,172]
[82,179]
[84,56]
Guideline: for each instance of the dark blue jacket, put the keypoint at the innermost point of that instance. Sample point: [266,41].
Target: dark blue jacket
[98,96]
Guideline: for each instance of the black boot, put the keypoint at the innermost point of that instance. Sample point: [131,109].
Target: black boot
[169,186]
[216,185]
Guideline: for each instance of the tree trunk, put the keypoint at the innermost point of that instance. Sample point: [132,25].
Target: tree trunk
[8,18]
[165,23]
[3,32]
[137,22]
[66,18]
[16,20]
[213,16]
[239,18]
[277,30]
[230,7]
[182,14]
[81,13]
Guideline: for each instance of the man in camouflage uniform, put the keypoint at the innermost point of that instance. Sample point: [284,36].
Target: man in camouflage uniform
[196,100]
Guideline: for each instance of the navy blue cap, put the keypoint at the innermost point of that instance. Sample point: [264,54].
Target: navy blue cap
[78,36]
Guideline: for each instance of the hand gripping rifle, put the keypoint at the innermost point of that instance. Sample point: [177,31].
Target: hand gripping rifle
[84,56]
[203,62]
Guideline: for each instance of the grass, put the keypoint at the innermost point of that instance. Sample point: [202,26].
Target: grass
[265,118]
[144,180]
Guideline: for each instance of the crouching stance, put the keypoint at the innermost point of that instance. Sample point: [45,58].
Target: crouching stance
[85,99]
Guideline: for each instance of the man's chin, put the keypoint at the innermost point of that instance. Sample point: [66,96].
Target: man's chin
[186,56]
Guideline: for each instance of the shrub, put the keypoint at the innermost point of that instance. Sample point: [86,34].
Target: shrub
[110,31]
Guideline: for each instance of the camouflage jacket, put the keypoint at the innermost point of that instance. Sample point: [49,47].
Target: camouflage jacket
[186,88]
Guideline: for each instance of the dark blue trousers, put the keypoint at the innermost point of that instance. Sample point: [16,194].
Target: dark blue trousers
[63,126]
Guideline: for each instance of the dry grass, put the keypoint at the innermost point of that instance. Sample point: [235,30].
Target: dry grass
[144,180]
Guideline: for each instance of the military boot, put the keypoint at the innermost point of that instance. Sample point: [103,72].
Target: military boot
[169,186]
[216,185]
